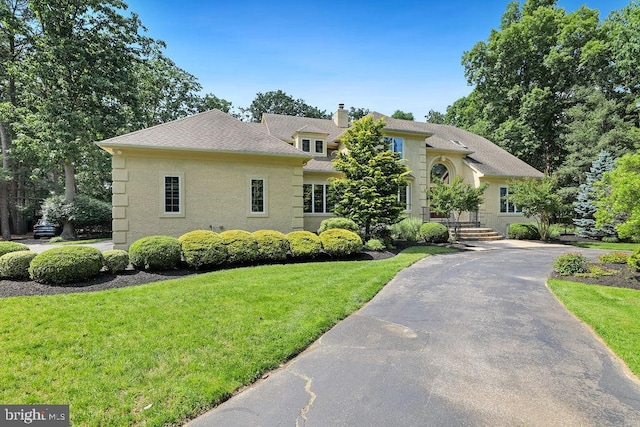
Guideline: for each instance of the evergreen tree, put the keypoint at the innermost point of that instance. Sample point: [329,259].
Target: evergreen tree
[374,175]
[584,206]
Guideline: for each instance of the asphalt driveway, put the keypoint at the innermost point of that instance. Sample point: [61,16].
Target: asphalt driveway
[467,339]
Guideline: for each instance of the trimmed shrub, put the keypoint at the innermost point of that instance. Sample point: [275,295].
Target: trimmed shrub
[6,247]
[15,265]
[634,260]
[115,260]
[374,245]
[343,223]
[203,248]
[241,247]
[434,232]
[407,229]
[272,245]
[65,265]
[571,264]
[523,231]
[614,258]
[155,253]
[338,242]
[304,244]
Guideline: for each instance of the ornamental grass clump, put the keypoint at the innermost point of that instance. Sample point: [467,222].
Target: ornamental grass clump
[6,247]
[155,253]
[66,265]
[571,264]
[340,243]
[242,247]
[272,245]
[15,265]
[434,232]
[304,244]
[407,229]
[115,260]
[203,248]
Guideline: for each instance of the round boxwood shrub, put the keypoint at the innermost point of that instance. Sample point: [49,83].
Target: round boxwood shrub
[571,264]
[115,260]
[272,245]
[304,244]
[203,248]
[66,264]
[155,253]
[343,223]
[523,231]
[242,248]
[15,265]
[374,245]
[634,260]
[338,242]
[6,247]
[434,232]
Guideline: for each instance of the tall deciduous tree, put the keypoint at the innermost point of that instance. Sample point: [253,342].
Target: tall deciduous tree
[374,175]
[436,117]
[399,114]
[357,113]
[278,102]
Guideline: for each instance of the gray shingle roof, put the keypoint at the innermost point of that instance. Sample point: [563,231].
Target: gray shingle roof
[283,127]
[319,164]
[402,125]
[209,131]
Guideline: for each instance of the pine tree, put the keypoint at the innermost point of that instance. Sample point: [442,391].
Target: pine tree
[585,206]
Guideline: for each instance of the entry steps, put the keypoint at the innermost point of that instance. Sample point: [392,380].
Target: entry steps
[478,234]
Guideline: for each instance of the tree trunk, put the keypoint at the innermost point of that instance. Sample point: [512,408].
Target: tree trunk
[68,229]
[5,227]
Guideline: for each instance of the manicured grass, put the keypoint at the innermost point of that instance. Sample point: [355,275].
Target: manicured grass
[160,353]
[81,242]
[611,246]
[612,312]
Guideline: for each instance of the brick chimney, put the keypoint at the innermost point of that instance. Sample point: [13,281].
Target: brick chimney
[341,117]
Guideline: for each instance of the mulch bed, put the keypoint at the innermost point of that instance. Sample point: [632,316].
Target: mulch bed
[10,288]
[624,277]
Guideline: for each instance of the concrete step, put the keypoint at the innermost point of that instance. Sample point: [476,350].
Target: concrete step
[478,234]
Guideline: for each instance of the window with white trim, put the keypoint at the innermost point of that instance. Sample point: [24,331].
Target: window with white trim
[404,196]
[305,145]
[319,146]
[395,145]
[171,194]
[316,198]
[258,195]
[506,206]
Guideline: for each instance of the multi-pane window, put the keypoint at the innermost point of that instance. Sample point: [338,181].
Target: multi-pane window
[257,195]
[171,194]
[316,198]
[306,145]
[404,197]
[319,146]
[395,145]
[506,206]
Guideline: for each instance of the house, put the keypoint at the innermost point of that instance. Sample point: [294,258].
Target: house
[211,171]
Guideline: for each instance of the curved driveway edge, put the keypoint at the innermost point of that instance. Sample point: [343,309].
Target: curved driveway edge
[473,338]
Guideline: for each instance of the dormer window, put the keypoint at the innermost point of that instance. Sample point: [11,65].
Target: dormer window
[319,146]
[306,145]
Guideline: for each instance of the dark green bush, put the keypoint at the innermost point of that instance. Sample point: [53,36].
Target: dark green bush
[634,260]
[304,244]
[66,264]
[83,212]
[15,265]
[523,231]
[203,248]
[338,242]
[155,253]
[339,222]
[374,245]
[115,260]
[434,232]
[571,264]
[6,247]
[272,245]
[614,258]
[242,248]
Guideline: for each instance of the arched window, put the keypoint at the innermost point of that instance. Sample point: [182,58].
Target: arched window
[439,172]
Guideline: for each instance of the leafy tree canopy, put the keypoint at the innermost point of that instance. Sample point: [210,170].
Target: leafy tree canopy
[399,114]
[357,113]
[278,102]
[537,199]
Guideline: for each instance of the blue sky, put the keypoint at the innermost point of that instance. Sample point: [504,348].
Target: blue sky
[379,55]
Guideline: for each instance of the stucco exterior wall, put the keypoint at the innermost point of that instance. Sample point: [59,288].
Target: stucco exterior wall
[491,205]
[215,191]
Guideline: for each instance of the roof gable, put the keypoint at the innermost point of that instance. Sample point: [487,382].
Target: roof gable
[284,127]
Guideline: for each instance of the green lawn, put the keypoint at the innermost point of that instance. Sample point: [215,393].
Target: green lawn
[611,246]
[161,353]
[81,242]
[612,312]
